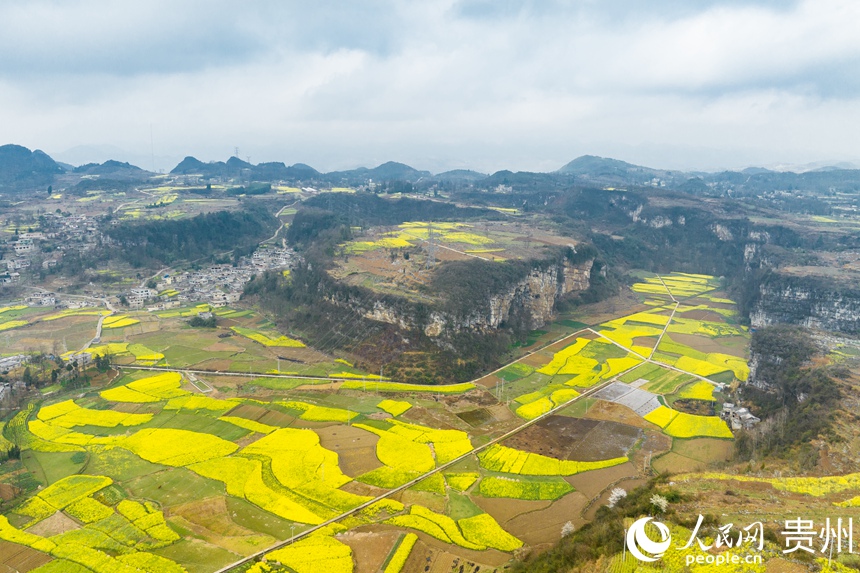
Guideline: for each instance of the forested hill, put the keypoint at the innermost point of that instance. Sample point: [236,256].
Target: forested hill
[160,242]
[21,167]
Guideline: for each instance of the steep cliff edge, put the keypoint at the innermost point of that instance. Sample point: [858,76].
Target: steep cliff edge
[478,309]
[528,302]
[813,302]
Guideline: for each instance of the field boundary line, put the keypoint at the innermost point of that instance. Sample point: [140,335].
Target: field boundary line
[443,467]
[671,316]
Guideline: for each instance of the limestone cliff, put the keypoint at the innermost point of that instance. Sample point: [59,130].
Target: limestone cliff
[807,301]
[531,299]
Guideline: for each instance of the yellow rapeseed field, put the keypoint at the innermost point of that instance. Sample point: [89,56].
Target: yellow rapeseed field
[394,407]
[68,415]
[176,447]
[683,425]
[508,460]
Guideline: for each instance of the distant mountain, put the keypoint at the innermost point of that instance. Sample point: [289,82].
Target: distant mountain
[594,165]
[22,169]
[193,166]
[236,164]
[460,175]
[611,171]
[302,171]
[755,171]
[235,167]
[276,170]
[527,181]
[814,166]
[390,171]
[114,169]
[399,171]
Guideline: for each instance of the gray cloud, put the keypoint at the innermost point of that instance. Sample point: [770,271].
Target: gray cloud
[468,83]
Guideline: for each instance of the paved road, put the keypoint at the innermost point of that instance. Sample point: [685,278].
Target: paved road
[443,467]
[586,394]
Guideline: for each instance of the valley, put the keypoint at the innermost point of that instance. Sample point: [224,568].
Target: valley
[305,375]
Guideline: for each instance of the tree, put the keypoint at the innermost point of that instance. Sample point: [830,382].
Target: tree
[660,502]
[616,495]
[197,321]
[28,377]
[102,362]
[567,529]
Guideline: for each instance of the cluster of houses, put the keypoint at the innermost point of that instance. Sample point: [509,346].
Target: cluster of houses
[8,363]
[738,418]
[217,285]
[61,233]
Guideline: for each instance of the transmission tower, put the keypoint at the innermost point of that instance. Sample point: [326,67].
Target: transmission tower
[431,246]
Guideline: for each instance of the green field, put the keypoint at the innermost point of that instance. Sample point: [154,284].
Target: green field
[199,479]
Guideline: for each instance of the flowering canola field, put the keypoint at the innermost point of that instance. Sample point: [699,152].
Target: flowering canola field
[682,425]
[268,456]
[267,340]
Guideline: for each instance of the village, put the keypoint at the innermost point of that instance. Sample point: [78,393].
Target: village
[61,234]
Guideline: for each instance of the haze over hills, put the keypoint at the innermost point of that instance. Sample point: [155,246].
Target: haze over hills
[22,169]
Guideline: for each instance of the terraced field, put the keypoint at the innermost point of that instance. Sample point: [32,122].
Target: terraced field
[178,471]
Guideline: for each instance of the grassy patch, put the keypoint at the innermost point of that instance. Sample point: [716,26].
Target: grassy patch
[248,515]
[173,487]
[461,507]
[514,372]
[57,465]
[197,556]
[199,422]
[120,464]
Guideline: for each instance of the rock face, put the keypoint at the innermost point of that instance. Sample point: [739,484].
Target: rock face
[537,294]
[807,303]
[531,299]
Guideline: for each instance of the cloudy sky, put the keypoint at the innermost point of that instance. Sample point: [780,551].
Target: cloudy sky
[437,84]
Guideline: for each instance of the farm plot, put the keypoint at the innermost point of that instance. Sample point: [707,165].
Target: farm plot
[268,339]
[579,365]
[119,321]
[700,363]
[231,472]
[576,439]
[683,425]
[657,379]
[633,330]
[149,389]
[412,233]
[503,459]
[127,531]
[640,401]
[404,450]
[679,285]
